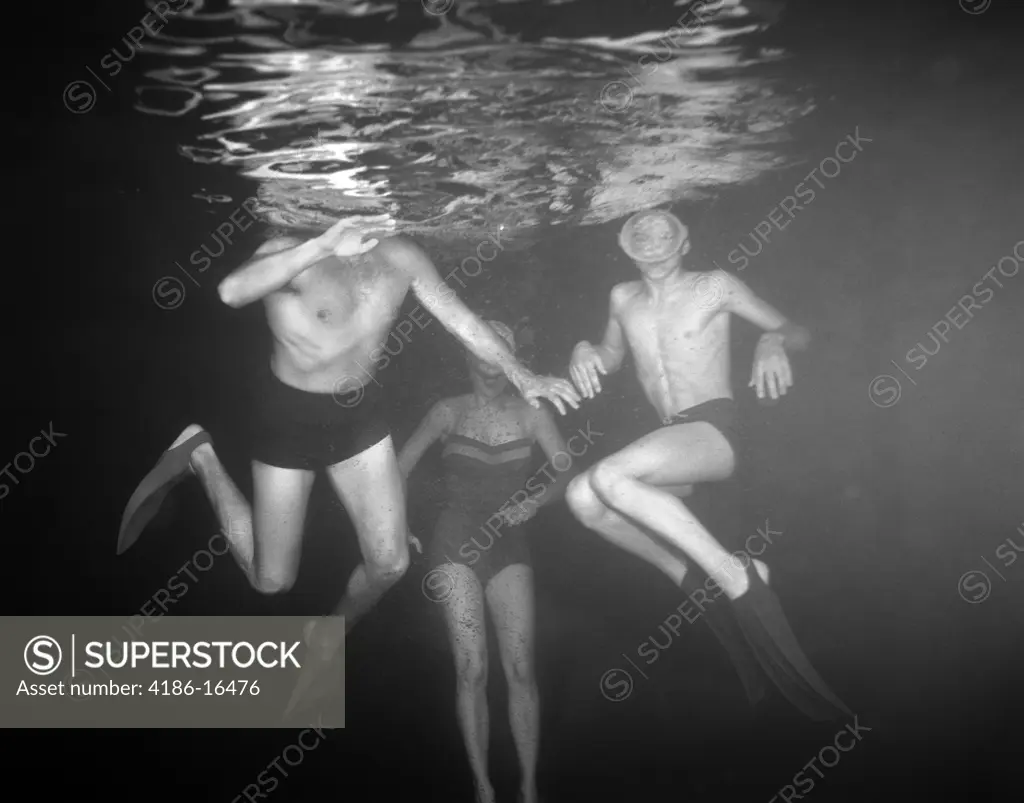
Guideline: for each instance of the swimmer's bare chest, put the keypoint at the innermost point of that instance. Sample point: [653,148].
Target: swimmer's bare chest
[680,345]
[335,312]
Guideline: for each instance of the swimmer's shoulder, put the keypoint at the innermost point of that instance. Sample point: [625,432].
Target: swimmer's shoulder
[719,274]
[531,418]
[622,294]
[715,287]
[519,406]
[448,412]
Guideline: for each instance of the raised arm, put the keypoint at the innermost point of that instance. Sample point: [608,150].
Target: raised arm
[441,301]
[588,360]
[279,260]
[273,266]
[431,429]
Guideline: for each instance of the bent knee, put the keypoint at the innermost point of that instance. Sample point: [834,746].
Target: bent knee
[582,500]
[391,563]
[606,480]
[275,582]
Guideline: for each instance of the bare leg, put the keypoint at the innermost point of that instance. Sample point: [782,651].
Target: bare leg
[464,615]
[268,552]
[671,519]
[510,596]
[688,453]
[596,515]
[370,487]
[678,455]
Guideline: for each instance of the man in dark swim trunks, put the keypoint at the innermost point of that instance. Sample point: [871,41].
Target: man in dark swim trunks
[676,323]
[330,302]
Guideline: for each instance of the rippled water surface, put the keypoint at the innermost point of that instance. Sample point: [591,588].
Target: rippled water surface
[456,124]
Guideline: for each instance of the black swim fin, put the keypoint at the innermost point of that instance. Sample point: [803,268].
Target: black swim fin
[766,629]
[722,622]
[171,468]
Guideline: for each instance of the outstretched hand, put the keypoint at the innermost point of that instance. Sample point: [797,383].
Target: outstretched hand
[772,372]
[347,237]
[557,391]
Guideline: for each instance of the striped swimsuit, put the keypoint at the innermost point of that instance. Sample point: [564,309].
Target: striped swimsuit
[480,479]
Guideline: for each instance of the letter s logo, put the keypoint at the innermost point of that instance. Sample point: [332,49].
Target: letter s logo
[39,655]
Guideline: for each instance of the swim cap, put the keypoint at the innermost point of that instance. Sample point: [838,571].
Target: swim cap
[504,332]
[652,235]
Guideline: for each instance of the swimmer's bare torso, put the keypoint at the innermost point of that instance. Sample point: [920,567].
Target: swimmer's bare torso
[679,340]
[676,324]
[328,320]
[331,300]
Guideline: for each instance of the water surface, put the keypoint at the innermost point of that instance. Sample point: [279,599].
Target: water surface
[457,133]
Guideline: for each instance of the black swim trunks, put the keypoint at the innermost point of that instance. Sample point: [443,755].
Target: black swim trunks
[294,428]
[722,414]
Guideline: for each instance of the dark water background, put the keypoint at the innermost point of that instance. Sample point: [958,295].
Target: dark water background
[882,509]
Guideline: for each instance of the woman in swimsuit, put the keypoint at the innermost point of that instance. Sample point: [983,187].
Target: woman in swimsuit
[479,555]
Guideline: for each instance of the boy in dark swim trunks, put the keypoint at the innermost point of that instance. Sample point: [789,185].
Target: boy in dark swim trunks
[330,302]
[676,323]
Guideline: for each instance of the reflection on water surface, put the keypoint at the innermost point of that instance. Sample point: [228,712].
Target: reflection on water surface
[461,128]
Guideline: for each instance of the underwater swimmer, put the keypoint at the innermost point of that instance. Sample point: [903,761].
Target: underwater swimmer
[488,438]
[676,324]
[330,301]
